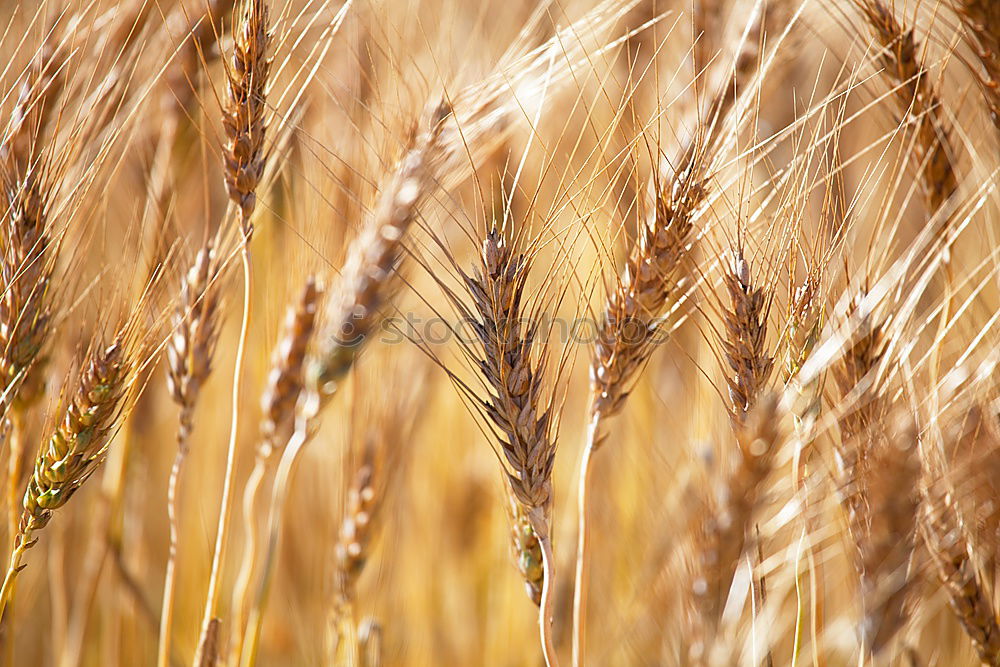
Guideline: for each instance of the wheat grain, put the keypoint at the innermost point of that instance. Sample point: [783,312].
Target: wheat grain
[745,322]
[944,533]
[243,116]
[934,155]
[982,25]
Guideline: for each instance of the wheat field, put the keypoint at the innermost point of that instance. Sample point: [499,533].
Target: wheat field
[467,332]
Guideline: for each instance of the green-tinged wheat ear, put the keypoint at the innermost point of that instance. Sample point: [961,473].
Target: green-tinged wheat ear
[75,449]
[527,551]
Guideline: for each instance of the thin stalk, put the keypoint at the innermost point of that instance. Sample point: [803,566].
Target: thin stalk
[279,495]
[541,528]
[14,473]
[15,456]
[580,589]
[22,542]
[247,567]
[222,532]
[170,578]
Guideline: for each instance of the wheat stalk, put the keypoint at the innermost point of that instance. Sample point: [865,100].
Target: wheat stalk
[285,382]
[352,312]
[243,156]
[189,364]
[515,405]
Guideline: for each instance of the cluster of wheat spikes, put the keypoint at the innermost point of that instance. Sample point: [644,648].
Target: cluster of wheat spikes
[330,328]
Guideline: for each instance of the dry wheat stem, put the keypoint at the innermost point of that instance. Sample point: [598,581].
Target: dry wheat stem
[527,551]
[631,320]
[284,386]
[243,122]
[354,310]
[189,354]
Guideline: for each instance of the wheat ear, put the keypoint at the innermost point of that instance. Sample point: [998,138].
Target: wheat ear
[934,154]
[76,448]
[189,363]
[515,406]
[26,266]
[285,382]
[351,315]
[883,526]
[649,285]
[862,408]
[744,340]
[244,125]
[982,24]
[721,540]
[27,254]
[944,534]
